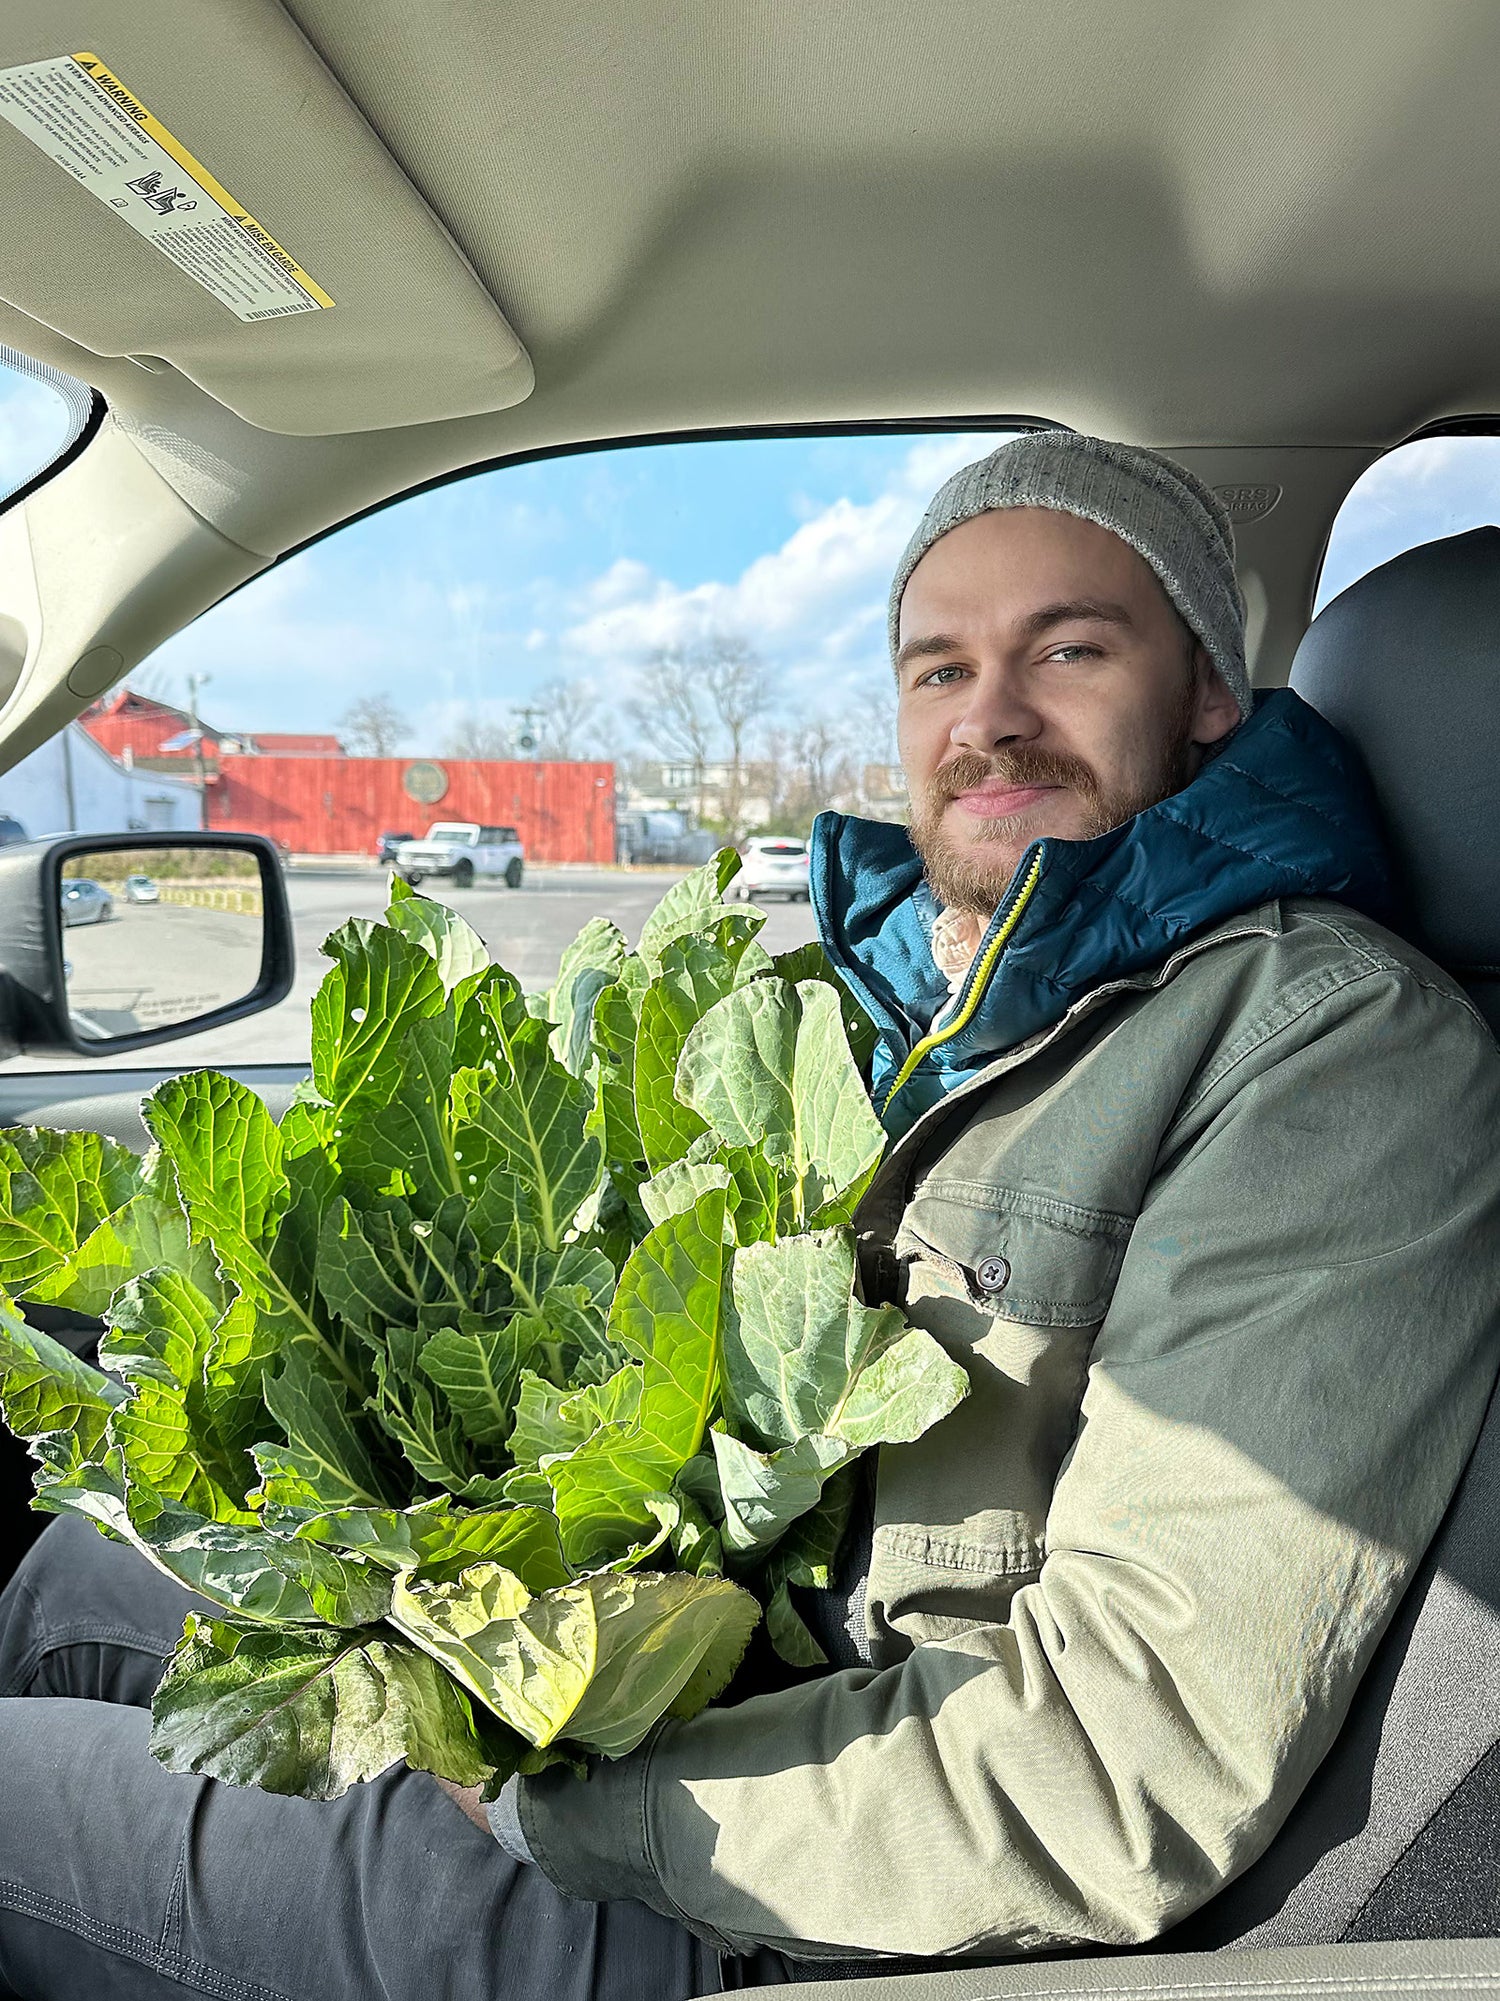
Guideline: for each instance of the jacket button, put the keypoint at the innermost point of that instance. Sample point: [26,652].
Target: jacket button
[993,1274]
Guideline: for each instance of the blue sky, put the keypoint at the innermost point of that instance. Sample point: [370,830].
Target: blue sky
[471,598]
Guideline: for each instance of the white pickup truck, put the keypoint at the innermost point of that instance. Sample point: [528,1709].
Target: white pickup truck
[462,851]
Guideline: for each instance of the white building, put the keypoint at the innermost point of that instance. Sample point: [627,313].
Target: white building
[72,786]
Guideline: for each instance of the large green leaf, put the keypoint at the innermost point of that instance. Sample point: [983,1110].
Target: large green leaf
[55,1189]
[456,948]
[162,1330]
[225,1153]
[311,1712]
[805,1556]
[616,1024]
[590,964]
[273,1579]
[691,904]
[696,971]
[803,1356]
[764,1493]
[62,1408]
[409,1141]
[649,1418]
[46,1389]
[597,1662]
[477,1366]
[769,1067]
[677,1186]
[606,1491]
[528,1119]
[667,1310]
[151,1229]
[380,982]
[548,1421]
[328,1452]
[439,1540]
[667,1644]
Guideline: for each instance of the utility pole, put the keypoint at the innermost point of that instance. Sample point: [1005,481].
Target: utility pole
[194,683]
[529,717]
[69,793]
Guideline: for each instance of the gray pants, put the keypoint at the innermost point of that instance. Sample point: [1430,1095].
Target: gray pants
[118,1879]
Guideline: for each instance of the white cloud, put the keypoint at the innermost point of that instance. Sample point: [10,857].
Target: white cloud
[815,606]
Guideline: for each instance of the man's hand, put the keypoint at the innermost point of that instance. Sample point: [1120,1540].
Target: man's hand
[467,1800]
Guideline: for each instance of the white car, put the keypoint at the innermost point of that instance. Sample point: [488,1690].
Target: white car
[462,852]
[774,865]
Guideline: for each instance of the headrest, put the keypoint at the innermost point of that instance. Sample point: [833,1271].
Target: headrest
[1406,665]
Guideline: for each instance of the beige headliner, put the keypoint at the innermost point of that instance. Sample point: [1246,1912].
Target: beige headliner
[1262,232]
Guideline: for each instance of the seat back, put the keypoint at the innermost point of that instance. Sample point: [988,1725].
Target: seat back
[1406,664]
[1398,1834]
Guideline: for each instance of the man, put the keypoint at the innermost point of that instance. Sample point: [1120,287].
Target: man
[1195,1172]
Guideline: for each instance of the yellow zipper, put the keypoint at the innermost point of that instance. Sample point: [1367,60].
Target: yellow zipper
[987,964]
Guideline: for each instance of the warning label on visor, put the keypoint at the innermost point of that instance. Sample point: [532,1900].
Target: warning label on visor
[81,115]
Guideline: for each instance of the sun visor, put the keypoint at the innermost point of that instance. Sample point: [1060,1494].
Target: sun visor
[187,183]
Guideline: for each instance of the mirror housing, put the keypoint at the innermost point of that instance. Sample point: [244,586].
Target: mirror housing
[36,1016]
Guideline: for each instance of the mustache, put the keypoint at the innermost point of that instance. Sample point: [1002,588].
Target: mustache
[1026,764]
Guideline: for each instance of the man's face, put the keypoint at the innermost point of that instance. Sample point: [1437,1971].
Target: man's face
[1046,686]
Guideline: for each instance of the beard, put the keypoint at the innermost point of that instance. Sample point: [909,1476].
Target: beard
[975,877]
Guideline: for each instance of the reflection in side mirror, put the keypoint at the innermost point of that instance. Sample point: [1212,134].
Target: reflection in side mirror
[111,943]
[157,938]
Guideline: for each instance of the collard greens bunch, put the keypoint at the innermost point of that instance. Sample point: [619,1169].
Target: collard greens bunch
[490,1396]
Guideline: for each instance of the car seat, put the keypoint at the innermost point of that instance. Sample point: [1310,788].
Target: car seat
[1398,1836]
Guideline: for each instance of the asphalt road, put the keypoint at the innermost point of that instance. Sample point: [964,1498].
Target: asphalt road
[152,964]
[526,930]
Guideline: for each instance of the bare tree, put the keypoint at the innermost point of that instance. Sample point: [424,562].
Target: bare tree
[673,711]
[781,774]
[570,712]
[373,727]
[474,734]
[739,693]
[813,763]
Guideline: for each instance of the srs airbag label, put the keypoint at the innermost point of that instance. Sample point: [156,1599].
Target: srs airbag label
[81,115]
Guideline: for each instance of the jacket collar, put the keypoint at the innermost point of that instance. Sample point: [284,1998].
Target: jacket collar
[1284,810]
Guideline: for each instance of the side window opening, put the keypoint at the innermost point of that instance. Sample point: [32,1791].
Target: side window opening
[1420,492]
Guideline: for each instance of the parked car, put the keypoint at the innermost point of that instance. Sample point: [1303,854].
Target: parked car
[387,844]
[85,902]
[141,889]
[462,852]
[773,866]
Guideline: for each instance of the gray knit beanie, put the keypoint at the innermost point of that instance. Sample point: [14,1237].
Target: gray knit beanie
[1168,516]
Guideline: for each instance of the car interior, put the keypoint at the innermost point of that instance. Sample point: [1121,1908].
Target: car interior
[1259,238]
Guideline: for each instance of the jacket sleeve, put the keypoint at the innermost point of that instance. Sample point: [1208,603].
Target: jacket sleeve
[1280,1403]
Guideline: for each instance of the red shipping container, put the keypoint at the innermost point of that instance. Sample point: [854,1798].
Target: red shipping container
[341,805]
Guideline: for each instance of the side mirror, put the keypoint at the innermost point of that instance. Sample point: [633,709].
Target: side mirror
[113,942]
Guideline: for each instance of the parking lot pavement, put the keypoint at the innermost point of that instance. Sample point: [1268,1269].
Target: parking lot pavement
[526,929]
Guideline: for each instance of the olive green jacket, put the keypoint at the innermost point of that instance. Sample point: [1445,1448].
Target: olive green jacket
[1221,1253]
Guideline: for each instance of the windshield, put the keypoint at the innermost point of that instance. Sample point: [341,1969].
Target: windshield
[588,673]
